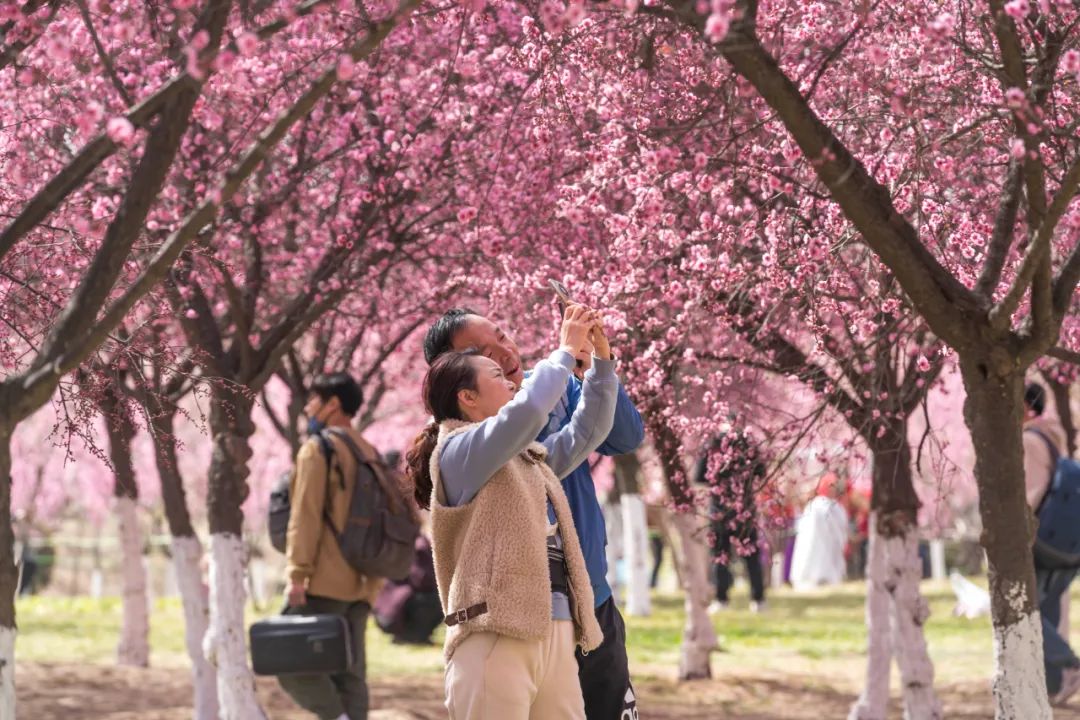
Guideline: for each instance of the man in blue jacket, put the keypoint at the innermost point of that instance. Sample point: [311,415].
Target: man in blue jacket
[604,672]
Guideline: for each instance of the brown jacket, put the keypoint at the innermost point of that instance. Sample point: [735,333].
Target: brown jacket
[311,549]
[1038,462]
[493,551]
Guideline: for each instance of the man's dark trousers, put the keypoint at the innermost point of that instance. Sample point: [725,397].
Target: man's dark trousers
[722,572]
[330,696]
[605,672]
[1057,655]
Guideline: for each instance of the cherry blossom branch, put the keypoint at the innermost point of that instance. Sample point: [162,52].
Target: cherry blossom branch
[85,162]
[1039,252]
[66,358]
[101,147]
[10,53]
[1013,61]
[1012,55]
[61,351]
[949,307]
[201,328]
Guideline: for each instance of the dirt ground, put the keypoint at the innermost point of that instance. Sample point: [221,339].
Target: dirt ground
[81,692]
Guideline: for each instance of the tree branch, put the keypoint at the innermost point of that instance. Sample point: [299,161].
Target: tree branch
[106,61]
[76,350]
[96,151]
[1002,237]
[950,308]
[1039,252]
[1060,353]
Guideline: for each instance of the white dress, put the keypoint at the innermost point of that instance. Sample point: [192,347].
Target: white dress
[821,535]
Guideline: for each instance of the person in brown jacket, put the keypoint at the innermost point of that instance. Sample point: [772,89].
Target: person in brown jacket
[320,581]
[1044,443]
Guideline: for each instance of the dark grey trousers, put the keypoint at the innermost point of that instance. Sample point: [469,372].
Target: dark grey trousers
[330,696]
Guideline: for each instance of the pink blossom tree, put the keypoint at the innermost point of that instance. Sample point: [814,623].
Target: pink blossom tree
[941,140]
[168,56]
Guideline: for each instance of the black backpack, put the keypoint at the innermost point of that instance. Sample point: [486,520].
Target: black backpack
[381,528]
[277,521]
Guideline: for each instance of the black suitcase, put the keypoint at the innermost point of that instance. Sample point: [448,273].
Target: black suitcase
[301,644]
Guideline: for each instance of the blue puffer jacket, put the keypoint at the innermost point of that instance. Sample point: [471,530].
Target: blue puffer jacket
[626,435]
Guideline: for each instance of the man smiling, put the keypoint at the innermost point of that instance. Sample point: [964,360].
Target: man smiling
[604,673]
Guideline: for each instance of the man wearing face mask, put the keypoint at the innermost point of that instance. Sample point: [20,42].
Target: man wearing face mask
[320,580]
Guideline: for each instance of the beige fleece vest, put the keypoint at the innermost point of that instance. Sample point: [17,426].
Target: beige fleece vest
[493,550]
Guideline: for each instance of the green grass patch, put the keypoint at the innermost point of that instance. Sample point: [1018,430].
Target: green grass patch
[800,634]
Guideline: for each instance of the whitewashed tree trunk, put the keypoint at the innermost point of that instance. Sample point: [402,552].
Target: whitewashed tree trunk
[636,555]
[699,636]
[225,645]
[614,549]
[1019,680]
[7,672]
[873,702]
[187,554]
[895,615]
[134,647]
[909,614]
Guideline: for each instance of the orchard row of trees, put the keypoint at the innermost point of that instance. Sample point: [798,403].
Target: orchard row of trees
[201,196]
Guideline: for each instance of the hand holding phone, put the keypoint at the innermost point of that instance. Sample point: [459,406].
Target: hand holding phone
[562,294]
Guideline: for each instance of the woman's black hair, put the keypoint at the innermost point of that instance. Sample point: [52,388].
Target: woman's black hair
[451,373]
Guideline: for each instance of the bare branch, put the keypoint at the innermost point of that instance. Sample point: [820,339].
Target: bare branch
[103,54]
[1002,237]
[1060,353]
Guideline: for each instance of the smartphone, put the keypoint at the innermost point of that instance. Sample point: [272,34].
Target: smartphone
[564,298]
[562,294]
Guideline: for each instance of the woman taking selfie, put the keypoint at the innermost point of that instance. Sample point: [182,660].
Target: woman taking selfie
[511,576]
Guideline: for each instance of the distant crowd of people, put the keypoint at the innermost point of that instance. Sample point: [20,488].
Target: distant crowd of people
[822,543]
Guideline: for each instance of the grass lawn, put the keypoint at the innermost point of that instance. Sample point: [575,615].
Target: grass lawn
[811,642]
[803,632]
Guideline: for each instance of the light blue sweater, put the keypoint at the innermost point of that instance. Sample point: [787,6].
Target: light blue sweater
[470,459]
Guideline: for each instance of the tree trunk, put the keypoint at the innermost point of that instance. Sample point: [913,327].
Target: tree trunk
[699,635]
[225,645]
[9,577]
[895,609]
[134,647]
[993,413]
[187,555]
[635,536]
[909,612]
[873,702]
[636,556]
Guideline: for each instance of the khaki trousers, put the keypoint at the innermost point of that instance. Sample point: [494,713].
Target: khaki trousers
[495,677]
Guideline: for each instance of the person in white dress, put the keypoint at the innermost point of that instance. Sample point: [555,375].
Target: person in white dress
[821,537]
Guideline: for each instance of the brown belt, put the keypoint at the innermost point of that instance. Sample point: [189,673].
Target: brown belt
[465,614]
